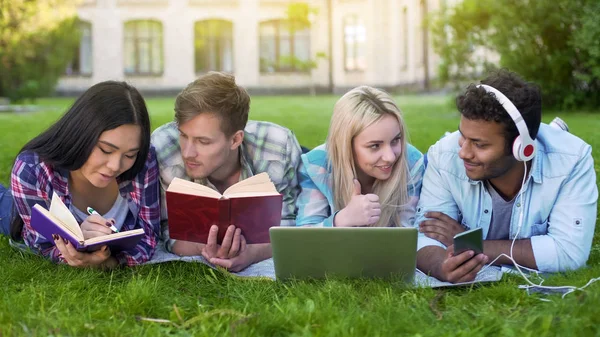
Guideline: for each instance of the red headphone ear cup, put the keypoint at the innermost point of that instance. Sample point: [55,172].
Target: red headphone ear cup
[523,152]
[528,150]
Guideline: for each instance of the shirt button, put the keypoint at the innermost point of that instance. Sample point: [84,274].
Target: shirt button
[485,211]
[576,222]
[518,204]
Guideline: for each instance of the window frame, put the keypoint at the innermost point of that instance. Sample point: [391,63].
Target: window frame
[356,21]
[73,69]
[222,40]
[137,40]
[293,37]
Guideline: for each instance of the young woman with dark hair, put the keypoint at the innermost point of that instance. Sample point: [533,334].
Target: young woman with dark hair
[97,155]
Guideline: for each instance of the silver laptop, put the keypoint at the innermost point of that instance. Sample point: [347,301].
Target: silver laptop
[355,252]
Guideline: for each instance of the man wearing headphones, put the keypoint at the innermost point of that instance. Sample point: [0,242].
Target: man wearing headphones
[523,182]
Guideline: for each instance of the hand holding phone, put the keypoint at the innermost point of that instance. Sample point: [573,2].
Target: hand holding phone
[469,240]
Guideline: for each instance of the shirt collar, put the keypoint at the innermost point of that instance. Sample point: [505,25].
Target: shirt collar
[247,170]
[536,164]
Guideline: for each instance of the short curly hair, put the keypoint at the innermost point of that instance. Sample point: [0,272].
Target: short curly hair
[477,104]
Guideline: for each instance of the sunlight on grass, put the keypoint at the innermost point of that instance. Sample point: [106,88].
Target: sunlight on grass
[183,299]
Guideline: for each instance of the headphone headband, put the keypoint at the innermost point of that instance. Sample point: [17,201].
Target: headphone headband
[525,145]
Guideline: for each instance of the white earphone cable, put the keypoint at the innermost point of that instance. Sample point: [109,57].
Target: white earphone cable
[569,289]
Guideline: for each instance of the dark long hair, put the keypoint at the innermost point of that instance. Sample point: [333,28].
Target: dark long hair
[68,143]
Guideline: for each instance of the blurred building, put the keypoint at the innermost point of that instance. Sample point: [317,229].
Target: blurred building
[162,45]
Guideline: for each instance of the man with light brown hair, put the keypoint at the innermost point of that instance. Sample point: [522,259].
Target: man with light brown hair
[211,142]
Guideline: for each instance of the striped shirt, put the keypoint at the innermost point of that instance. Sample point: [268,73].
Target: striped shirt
[266,147]
[34,182]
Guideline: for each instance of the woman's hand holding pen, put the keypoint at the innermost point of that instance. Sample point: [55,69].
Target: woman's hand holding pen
[95,225]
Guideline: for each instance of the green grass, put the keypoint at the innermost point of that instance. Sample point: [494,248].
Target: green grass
[39,298]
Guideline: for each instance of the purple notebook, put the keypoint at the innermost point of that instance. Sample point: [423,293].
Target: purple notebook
[44,223]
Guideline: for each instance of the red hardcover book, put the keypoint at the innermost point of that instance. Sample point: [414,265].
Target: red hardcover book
[253,205]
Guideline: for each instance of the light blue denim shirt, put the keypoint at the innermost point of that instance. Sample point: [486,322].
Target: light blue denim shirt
[559,199]
[315,202]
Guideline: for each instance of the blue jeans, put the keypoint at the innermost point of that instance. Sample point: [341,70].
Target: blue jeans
[6,205]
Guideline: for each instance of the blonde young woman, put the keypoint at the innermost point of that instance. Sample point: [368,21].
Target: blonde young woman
[366,174]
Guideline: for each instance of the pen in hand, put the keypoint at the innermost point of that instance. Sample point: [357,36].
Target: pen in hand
[92,211]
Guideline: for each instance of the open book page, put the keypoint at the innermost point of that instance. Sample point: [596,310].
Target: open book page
[111,236]
[259,184]
[189,187]
[260,178]
[253,191]
[60,211]
[489,274]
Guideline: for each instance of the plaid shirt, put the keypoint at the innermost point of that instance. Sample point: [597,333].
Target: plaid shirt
[34,182]
[315,203]
[266,147]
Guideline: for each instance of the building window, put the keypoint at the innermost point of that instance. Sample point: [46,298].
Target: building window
[213,46]
[405,38]
[355,37]
[81,64]
[143,48]
[283,48]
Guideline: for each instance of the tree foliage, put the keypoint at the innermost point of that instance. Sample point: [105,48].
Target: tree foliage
[37,41]
[299,16]
[551,42]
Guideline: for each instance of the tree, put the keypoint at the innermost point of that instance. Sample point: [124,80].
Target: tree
[299,16]
[550,42]
[37,41]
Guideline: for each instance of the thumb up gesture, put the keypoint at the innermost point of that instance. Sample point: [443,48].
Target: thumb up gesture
[362,210]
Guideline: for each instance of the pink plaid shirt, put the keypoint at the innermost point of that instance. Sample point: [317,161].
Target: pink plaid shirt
[34,182]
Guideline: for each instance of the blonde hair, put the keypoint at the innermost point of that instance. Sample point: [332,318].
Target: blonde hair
[217,93]
[355,111]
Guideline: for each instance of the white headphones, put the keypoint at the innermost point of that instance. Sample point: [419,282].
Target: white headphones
[523,147]
[524,150]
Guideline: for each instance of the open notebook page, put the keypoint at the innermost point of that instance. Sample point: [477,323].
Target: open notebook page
[60,211]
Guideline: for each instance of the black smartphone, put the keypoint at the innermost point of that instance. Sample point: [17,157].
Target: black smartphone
[469,240]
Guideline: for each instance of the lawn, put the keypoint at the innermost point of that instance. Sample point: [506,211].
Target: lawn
[182,299]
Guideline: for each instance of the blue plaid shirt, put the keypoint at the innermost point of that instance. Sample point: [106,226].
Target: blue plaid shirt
[315,203]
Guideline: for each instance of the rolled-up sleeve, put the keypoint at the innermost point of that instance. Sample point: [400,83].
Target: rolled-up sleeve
[435,196]
[415,182]
[289,187]
[31,184]
[313,206]
[572,221]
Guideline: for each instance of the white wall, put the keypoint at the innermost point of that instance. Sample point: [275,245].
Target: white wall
[382,18]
